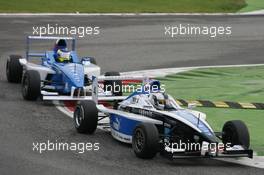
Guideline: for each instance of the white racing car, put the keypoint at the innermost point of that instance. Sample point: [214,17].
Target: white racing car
[154,123]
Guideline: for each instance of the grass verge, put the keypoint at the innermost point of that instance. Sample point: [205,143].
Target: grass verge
[253,5]
[111,6]
[243,84]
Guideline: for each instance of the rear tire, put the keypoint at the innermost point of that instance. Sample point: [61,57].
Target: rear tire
[31,85]
[14,69]
[145,140]
[113,84]
[86,117]
[236,133]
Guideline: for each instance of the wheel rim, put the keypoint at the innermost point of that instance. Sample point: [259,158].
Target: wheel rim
[139,140]
[25,86]
[78,115]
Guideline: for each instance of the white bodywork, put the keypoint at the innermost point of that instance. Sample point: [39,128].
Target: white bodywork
[92,70]
[142,102]
[42,70]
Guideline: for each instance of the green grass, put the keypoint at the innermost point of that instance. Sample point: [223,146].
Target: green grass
[100,6]
[253,5]
[244,84]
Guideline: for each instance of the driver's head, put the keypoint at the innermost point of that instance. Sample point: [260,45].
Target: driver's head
[158,100]
[63,55]
[60,44]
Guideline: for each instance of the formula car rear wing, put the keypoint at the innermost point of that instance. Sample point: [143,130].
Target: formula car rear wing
[42,54]
[93,91]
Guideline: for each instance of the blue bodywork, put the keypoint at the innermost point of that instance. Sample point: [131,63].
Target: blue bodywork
[67,75]
[122,124]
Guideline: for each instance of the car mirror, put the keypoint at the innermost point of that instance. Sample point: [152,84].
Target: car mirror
[86,61]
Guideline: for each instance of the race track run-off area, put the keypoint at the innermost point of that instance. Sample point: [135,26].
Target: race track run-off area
[125,43]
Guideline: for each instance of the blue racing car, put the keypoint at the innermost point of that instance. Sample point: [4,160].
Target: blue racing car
[58,73]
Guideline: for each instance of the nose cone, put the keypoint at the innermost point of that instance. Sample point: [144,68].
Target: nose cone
[195,121]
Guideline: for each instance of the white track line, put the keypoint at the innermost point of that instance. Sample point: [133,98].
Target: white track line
[167,71]
[257,161]
[256,13]
[64,110]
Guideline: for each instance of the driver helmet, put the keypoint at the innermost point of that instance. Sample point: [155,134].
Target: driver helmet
[63,55]
[158,100]
[60,44]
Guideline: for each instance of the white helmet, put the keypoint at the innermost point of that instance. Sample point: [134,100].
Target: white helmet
[161,101]
[158,100]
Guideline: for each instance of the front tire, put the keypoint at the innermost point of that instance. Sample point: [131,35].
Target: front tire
[145,141]
[236,133]
[14,69]
[86,117]
[31,85]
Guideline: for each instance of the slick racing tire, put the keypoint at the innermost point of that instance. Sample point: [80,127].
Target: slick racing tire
[236,132]
[31,85]
[86,117]
[145,140]
[113,85]
[14,69]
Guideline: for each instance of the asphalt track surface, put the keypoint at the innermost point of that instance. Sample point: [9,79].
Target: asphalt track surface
[125,44]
